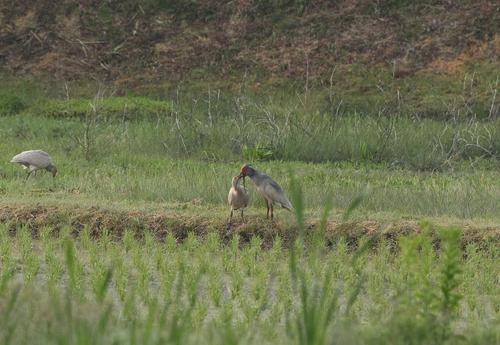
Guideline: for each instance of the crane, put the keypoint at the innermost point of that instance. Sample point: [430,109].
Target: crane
[34,160]
[268,188]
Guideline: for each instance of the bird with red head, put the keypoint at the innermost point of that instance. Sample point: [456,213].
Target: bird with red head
[268,188]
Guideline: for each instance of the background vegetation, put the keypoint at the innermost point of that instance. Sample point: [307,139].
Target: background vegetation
[379,119]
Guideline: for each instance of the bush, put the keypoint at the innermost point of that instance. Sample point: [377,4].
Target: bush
[11,104]
[257,152]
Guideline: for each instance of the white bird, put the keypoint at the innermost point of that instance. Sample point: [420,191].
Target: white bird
[268,188]
[34,160]
[237,198]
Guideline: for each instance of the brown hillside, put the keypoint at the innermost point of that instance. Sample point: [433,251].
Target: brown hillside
[171,39]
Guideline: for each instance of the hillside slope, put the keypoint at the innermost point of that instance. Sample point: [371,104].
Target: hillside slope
[130,42]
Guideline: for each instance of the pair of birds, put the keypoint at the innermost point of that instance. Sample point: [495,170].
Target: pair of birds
[272,192]
[238,197]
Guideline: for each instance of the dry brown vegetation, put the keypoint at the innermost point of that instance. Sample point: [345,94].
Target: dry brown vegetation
[128,41]
[97,220]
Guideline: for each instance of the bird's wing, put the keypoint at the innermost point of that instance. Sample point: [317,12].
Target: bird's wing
[37,158]
[19,158]
[275,185]
[244,196]
[274,191]
[238,198]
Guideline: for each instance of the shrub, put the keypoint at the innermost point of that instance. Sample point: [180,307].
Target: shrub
[10,104]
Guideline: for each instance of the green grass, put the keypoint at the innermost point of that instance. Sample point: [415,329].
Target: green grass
[226,126]
[121,107]
[138,161]
[68,285]
[62,290]
[263,132]
[163,180]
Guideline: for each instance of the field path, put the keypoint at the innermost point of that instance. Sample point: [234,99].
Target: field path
[181,223]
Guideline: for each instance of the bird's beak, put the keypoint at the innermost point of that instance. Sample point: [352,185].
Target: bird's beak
[241,175]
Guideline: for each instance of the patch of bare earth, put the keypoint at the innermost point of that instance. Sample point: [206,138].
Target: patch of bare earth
[97,220]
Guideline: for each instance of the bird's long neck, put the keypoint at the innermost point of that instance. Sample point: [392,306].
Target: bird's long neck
[52,168]
[255,177]
[236,183]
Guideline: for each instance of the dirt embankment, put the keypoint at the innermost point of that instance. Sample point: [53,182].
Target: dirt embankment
[97,220]
[130,41]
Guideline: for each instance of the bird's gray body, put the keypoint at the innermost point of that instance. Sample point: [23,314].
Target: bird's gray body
[268,188]
[34,160]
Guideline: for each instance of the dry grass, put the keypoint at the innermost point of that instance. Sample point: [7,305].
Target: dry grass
[180,224]
[172,42]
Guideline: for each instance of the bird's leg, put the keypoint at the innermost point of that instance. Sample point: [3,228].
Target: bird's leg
[267,205]
[229,221]
[272,210]
[242,219]
[28,175]
[54,181]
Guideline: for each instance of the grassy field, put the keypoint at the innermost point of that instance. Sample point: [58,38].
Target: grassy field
[224,125]
[396,240]
[140,162]
[62,290]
